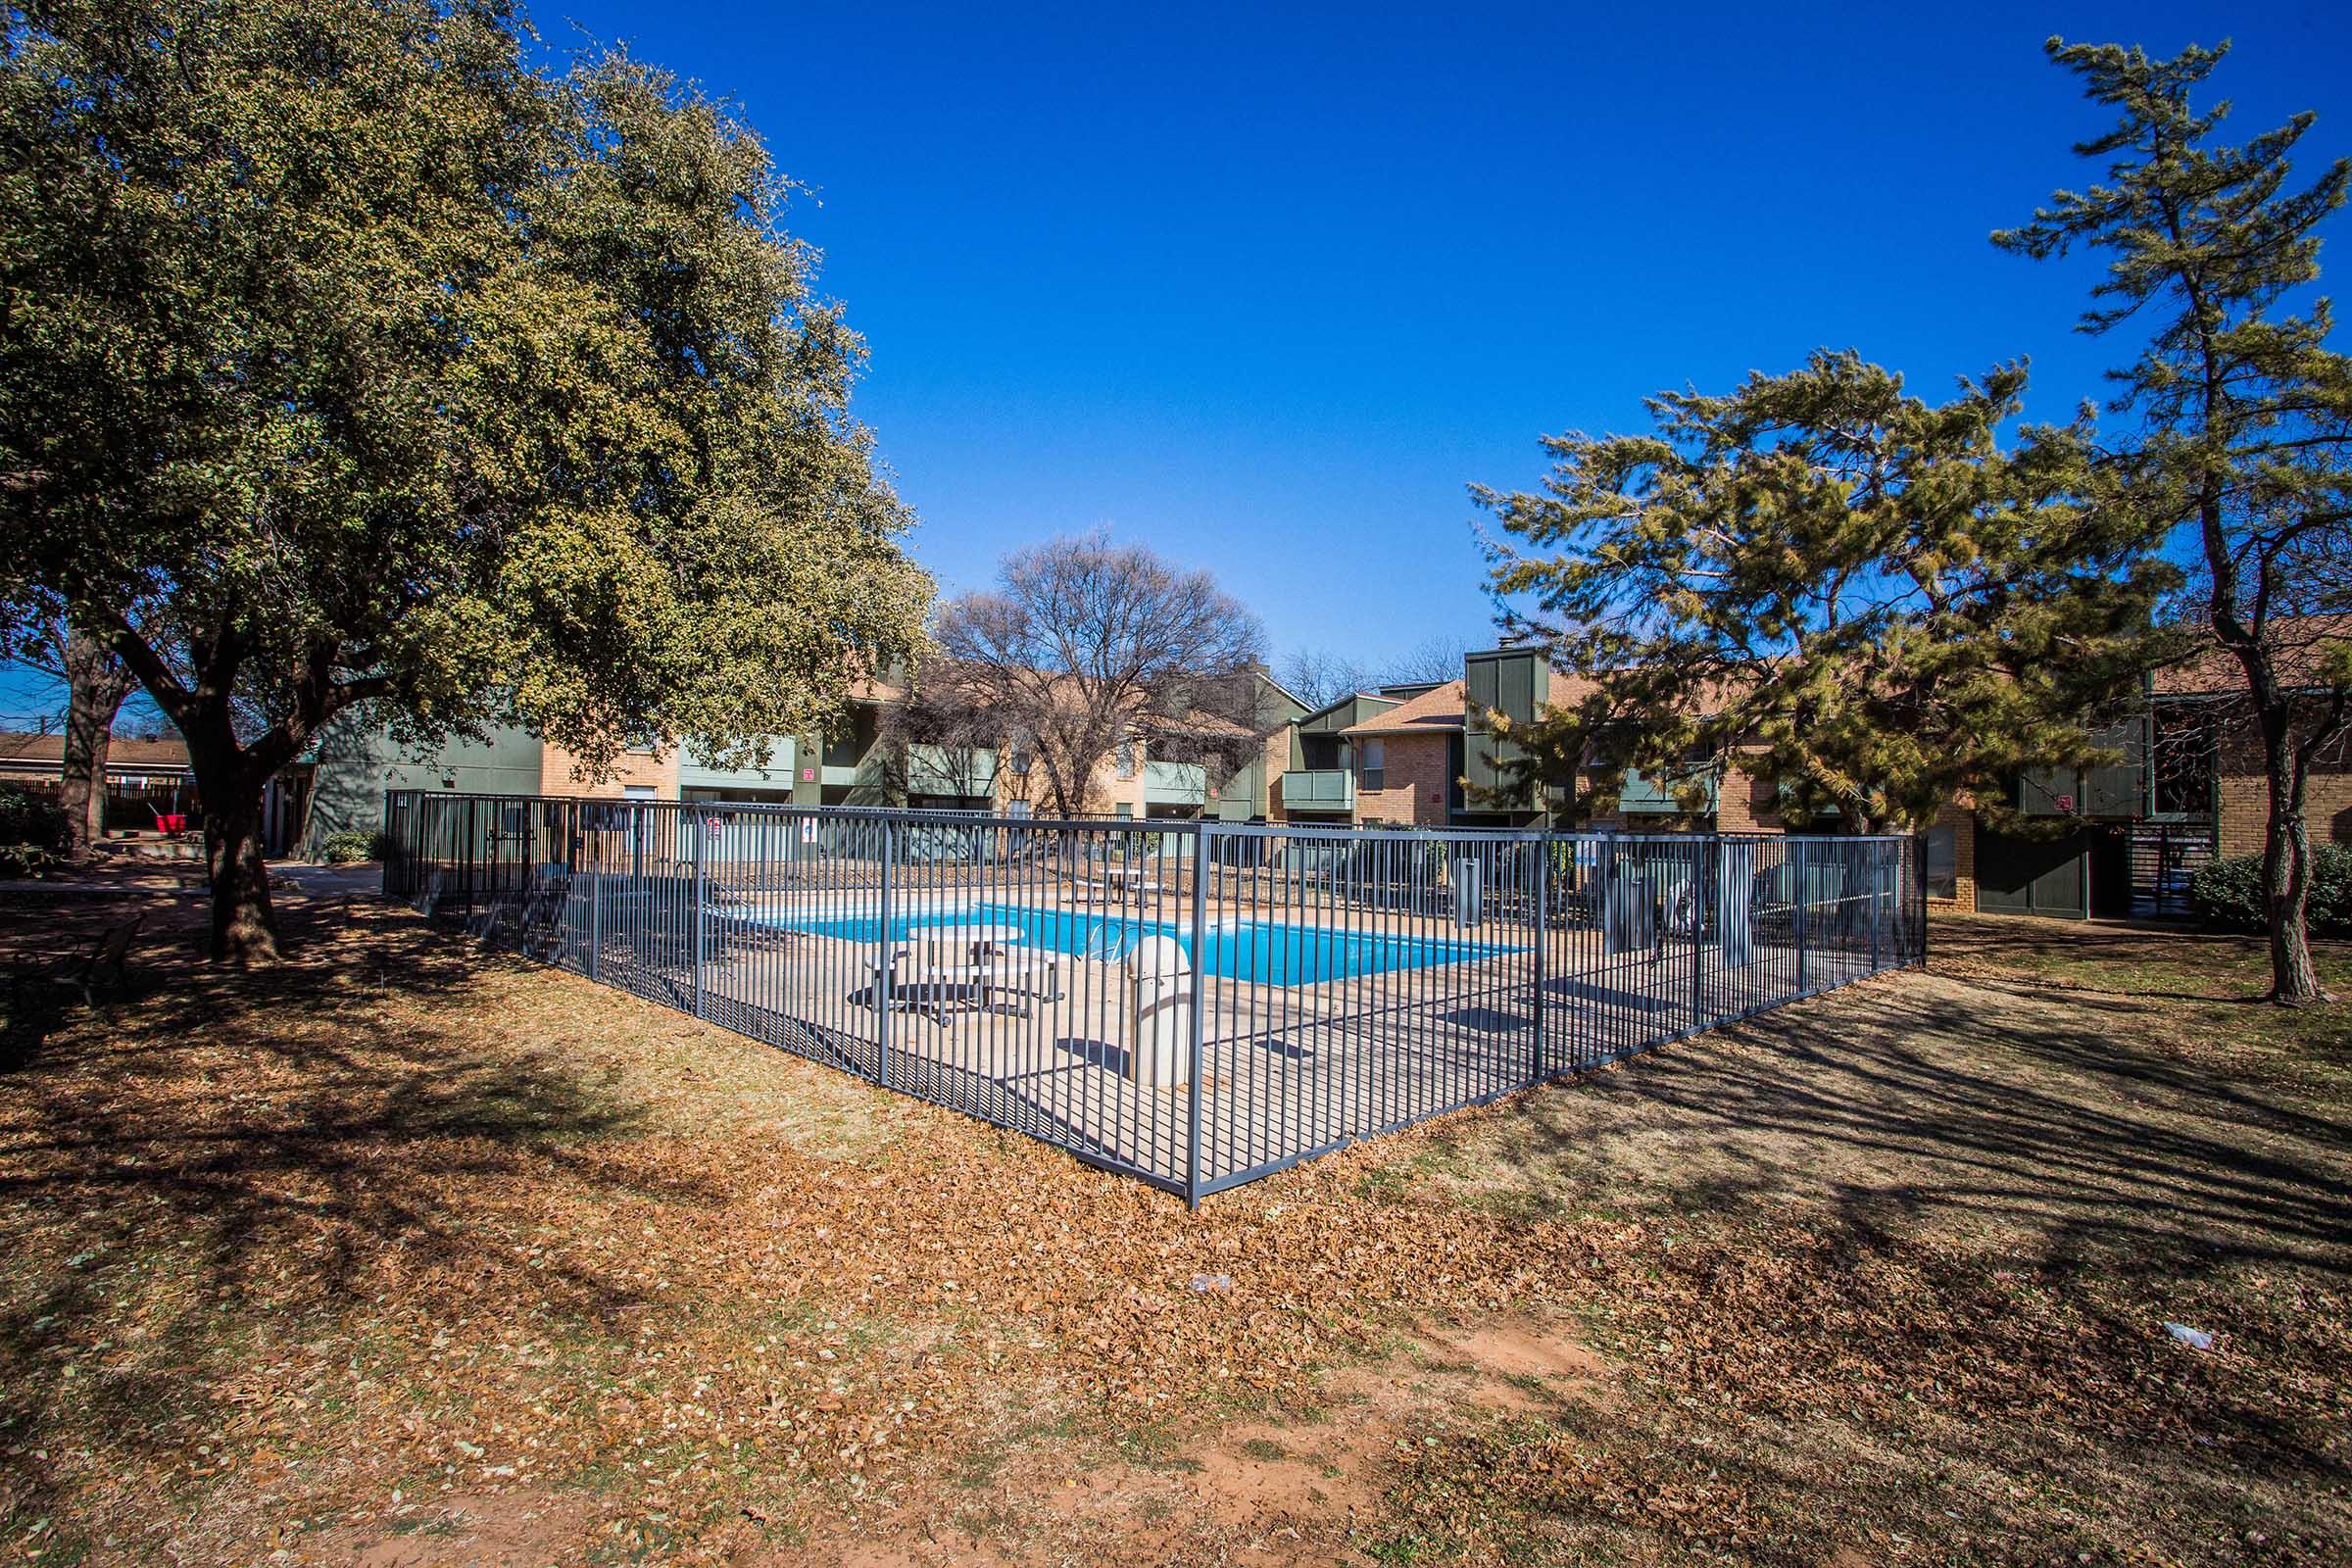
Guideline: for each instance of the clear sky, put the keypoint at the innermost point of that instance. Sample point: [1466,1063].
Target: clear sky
[1264,287]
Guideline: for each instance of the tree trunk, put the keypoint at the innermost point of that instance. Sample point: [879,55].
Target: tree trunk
[244,925]
[231,785]
[95,688]
[2286,869]
[233,779]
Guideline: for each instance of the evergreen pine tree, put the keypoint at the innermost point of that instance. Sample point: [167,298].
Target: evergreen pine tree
[2241,457]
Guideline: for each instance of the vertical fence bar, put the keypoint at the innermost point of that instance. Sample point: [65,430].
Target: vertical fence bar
[1919,853]
[1542,848]
[1882,899]
[1797,858]
[1700,932]
[1195,1088]
[885,968]
[695,897]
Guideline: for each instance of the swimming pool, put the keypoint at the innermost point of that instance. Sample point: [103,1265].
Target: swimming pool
[1264,953]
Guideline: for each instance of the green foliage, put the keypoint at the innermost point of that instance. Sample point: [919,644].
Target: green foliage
[2228,895]
[2239,448]
[32,818]
[348,359]
[1822,580]
[435,381]
[350,846]
[23,861]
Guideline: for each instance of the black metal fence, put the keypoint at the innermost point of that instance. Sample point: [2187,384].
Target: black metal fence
[1196,1003]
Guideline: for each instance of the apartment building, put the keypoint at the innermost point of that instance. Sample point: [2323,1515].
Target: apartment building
[2190,786]
[356,763]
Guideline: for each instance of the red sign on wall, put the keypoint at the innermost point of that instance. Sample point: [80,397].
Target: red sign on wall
[2065,803]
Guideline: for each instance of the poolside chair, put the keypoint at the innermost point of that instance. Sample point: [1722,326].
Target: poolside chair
[87,970]
[1110,884]
[544,898]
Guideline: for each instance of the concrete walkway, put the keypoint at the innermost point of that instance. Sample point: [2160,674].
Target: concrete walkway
[185,880]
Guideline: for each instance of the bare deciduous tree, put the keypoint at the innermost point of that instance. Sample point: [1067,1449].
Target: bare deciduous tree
[1083,645]
[1318,677]
[1432,659]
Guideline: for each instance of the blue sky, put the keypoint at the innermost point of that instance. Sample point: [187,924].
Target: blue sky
[1264,287]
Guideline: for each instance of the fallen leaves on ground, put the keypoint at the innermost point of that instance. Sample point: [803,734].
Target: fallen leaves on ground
[300,1260]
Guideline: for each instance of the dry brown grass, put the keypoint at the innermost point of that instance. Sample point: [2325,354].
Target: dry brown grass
[404,1254]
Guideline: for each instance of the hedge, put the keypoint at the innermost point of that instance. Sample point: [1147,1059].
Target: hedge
[2228,894]
[32,827]
[351,846]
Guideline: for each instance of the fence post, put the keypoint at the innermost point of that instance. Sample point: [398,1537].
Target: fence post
[595,911]
[1542,936]
[1698,924]
[695,827]
[1919,853]
[884,969]
[1796,881]
[1882,888]
[1191,1137]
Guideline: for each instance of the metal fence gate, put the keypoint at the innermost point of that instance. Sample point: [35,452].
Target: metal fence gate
[1194,1003]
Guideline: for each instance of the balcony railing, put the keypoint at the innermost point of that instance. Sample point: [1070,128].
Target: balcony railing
[1642,795]
[1318,788]
[1175,784]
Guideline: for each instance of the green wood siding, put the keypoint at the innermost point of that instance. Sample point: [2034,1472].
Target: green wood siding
[1175,784]
[2019,875]
[1512,681]
[357,762]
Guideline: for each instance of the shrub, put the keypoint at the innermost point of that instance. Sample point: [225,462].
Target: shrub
[2228,894]
[350,846]
[32,818]
[20,861]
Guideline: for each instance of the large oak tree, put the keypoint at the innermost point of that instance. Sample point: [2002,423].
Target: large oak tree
[388,369]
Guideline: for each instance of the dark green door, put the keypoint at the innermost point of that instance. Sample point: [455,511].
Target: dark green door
[2034,875]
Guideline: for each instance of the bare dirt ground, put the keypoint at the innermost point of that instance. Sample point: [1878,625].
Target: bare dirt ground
[408,1255]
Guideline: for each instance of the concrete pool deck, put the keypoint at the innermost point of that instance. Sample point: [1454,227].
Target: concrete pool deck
[1285,1069]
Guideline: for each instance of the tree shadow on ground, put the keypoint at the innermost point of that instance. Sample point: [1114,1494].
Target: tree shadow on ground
[1890,1106]
[1951,1214]
[246,1156]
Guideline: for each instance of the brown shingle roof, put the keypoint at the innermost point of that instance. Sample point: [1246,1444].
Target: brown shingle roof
[2302,644]
[1439,708]
[24,748]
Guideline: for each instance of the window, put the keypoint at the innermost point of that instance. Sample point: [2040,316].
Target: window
[1126,758]
[1122,809]
[637,792]
[2182,756]
[1017,753]
[1372,757]
[1943,862]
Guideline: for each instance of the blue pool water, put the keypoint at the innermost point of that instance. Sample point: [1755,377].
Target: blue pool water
[1265,952]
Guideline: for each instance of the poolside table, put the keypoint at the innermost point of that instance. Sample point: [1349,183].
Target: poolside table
[978,960]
